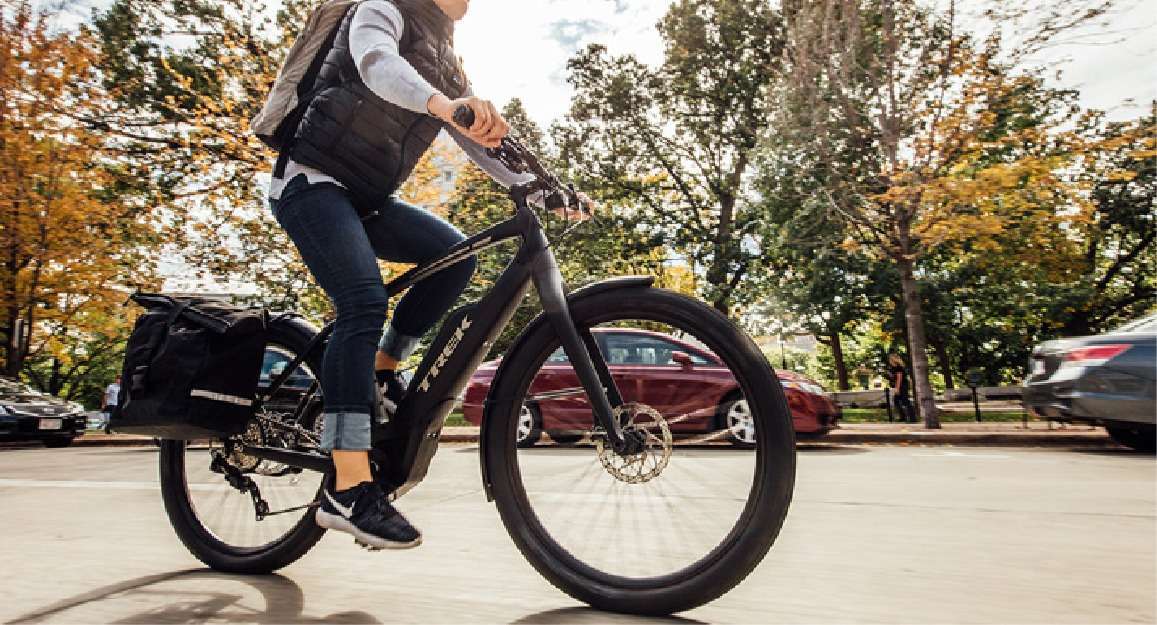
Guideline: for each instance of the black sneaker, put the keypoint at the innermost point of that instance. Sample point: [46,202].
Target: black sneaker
[364,512]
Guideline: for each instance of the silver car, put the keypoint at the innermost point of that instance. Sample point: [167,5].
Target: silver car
[1107,379]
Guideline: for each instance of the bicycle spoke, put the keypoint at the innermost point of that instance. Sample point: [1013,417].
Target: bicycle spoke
[229,513]
[659,509]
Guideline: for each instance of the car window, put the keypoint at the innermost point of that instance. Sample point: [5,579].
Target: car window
[1144,324]
[641,349]
[19,392]
[623,349]
[275,363]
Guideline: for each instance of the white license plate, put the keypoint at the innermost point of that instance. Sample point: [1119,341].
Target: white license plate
[1038,366]
[51,424]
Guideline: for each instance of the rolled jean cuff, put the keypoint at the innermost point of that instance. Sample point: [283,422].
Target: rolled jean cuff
[397,345]
[346,431]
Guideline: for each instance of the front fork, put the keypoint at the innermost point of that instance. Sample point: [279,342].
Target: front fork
[582,351]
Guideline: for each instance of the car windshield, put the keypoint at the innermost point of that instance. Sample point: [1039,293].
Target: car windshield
[1144,324]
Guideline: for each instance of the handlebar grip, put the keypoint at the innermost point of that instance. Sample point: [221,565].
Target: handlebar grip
[464,116]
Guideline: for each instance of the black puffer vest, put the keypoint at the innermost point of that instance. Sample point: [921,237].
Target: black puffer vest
[369,145]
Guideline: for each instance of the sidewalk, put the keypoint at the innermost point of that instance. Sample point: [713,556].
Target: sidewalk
[1003,433]
[1006,434]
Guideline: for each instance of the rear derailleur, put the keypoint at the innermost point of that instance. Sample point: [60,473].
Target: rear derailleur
[241,482]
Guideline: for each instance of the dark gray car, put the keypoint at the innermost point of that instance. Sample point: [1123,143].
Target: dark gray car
[27,414]
[1106,379]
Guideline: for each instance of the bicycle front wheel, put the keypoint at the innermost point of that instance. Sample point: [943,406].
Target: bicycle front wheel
[679,524]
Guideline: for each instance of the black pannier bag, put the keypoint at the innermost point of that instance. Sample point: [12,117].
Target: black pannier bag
[191,369]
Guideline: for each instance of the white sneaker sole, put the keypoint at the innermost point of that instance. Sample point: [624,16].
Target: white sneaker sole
[369,541]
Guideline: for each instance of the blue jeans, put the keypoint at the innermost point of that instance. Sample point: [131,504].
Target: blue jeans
[342,252]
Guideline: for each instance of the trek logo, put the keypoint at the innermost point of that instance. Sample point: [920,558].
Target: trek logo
[445,355]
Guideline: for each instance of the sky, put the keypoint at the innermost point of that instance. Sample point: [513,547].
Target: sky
[519,48]
[1108,64]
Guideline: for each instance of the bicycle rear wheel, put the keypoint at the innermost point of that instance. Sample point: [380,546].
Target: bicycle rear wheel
[215,517]
[679,524]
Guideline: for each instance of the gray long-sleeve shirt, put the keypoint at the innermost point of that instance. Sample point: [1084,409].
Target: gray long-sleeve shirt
[374,35]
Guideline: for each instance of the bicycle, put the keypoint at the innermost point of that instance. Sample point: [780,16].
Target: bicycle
[704,512]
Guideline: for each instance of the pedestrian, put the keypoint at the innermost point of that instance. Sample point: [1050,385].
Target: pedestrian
[111,395]
[898,381]
[390,83]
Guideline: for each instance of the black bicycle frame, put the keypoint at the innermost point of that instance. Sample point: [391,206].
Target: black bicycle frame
[463,341]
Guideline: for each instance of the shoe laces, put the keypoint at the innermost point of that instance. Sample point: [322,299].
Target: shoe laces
[375,498]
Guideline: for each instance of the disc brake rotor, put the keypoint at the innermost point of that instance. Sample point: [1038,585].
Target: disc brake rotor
[646,465]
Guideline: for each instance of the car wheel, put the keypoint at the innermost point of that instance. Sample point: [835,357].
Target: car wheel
[565,438]
[57,443]
[1139,436]
[735,417]
[529,427]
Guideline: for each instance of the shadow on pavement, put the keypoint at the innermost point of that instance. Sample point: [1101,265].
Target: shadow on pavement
[829,448]
[209,599]
[591,615]
[1112,451]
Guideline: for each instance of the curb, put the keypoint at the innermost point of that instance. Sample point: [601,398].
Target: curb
[963,439]
[969,439]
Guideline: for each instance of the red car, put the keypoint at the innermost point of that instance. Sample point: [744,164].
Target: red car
[687,384]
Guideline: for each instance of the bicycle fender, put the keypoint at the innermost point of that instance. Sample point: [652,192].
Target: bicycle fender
[494,403]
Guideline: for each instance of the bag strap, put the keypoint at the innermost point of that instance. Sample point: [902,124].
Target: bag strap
[156,339]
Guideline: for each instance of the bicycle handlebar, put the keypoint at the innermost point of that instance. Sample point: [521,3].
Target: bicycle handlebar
[464,116]
[518,159]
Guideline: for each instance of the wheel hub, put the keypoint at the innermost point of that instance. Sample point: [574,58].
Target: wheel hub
[650,429]
[740,422]
[525,423]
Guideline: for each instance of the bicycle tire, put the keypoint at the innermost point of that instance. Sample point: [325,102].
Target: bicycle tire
[768,501]
[198,539]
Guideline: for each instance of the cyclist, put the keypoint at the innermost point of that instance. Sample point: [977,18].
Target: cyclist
[390,84]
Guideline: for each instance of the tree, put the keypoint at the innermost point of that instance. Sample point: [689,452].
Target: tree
[676,143]
[1117,264]
[69,244]
[958,139]
[185,79]
[609,245]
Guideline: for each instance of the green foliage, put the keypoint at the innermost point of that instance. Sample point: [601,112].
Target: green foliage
[674,145]
[607,246]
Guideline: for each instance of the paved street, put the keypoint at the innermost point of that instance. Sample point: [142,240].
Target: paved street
[876,534]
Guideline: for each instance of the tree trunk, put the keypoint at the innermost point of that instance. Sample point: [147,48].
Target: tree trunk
[838,357]
[941,350]
[14,356]
[717,274]
[914,320]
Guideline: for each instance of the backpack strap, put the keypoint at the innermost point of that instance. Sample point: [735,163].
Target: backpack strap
[307,89]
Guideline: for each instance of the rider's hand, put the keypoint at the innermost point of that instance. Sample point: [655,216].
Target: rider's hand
[489,127]
[589,208]
[584,211]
